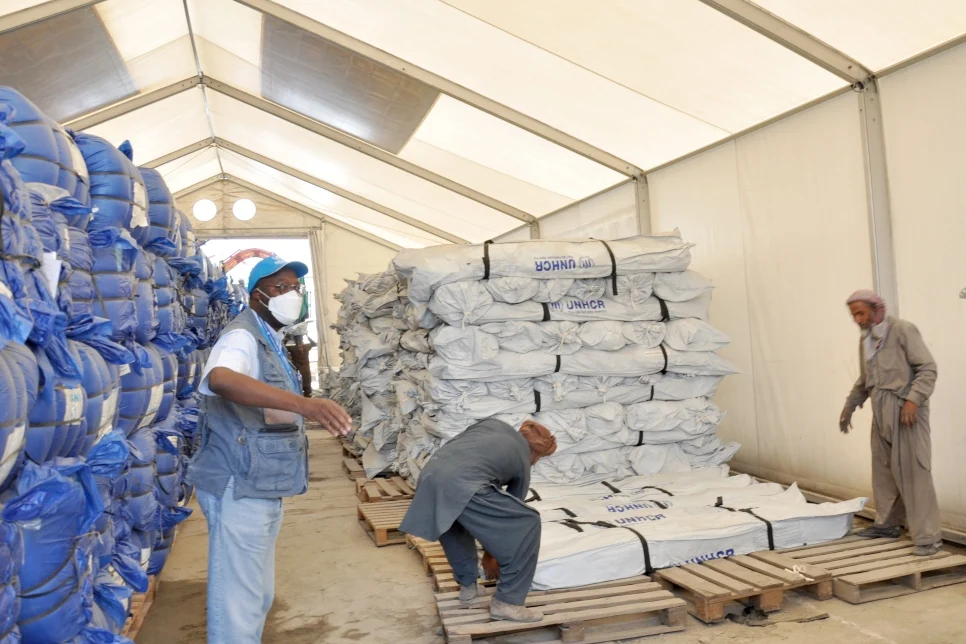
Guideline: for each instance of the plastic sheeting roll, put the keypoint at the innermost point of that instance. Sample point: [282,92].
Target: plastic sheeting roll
[117,189]
[102,383]
[141,499]
[171,317]
[13,420]
[50,154]
[115,254]
[169,363]
[141,394]
[144,299]
[164,229]
[11,554]
[55,428]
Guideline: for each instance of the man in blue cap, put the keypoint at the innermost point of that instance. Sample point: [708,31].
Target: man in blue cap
[253,450]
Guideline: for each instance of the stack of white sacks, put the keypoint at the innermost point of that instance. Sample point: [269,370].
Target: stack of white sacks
[606,344]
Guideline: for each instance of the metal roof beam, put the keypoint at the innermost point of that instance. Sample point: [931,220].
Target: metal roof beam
[231,233]
[366,148]
[791,37]
[345,194]
[50,9]
[177,154]
[446,86]
[198,186]
[132,104]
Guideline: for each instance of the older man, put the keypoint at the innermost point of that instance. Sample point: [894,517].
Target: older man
[899,374]
[460,499]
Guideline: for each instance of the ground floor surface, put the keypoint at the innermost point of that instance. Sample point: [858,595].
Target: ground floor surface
[333,586]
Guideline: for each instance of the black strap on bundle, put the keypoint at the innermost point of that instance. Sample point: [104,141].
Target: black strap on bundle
[665,314]
[640,439]
[652,394]
[661,504]
[567,512]
[546,311]
[536,401]
[486,259]
[613,266]
[664,370]
[575,525]
[771,531]
[556,369]
[533,496]
[659,489]
[610,487]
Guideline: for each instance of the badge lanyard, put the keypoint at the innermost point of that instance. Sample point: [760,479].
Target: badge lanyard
[280,352]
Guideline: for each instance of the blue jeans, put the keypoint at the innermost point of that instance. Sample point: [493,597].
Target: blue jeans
[241,564]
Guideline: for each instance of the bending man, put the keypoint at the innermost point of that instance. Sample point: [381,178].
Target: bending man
[899,374]
[460,500]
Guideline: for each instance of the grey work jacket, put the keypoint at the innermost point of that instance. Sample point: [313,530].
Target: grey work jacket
[902,366]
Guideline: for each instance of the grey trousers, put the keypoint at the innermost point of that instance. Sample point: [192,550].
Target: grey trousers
[901,471]
[508,530]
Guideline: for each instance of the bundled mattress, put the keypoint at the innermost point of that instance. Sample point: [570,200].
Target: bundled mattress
[429,268]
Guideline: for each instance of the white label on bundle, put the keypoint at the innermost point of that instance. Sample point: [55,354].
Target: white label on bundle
[125,369]
[108,411]
[174,441]
[73,404]
[5,290]
[11,449]
[51,272]
[77,160]
[157,393]
[145,557]
[139,210]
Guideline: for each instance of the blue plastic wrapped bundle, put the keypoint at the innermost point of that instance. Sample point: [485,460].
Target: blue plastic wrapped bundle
[117,189]
[145,301]
[115,254]
[188,247]
[55,421]
[142,499]
[49,210]
[50,155]
[141,393]
[102,384]
[21,382]
[164,230]
[171,517]
[171,317]
[54,507]
[169,363]
[11,558]
[187,371]
[81,279]
[127,549]
[108,460]
[112,599]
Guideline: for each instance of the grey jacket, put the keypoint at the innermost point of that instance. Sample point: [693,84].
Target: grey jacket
[265,451]
[903,366]
[488,453]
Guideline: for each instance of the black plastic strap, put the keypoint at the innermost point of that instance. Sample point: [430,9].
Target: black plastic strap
[610,487]
[533,496]
[652,394]
[659,489]
[486,259]
[556,369]
[613,265]
[576,525]
[664,352]
[665,314]
[546,311]
[647,551]
[640,439]
[749,511]
[661,504]
[536,400]
[567,512]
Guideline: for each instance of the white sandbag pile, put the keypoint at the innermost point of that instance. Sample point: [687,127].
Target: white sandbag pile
[647,523]
[607,344]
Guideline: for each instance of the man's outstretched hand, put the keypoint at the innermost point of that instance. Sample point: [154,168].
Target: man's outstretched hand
[333,418]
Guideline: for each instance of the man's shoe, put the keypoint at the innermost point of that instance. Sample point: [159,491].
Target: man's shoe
[927,551]
[469,593]
[880,532]
[511,613]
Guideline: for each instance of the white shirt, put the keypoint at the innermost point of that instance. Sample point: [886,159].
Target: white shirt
[236,350]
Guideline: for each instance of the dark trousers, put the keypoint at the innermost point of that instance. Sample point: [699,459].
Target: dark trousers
[508,530]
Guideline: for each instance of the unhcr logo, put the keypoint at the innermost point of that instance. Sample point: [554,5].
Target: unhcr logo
[712,555]
[551,264]
[639,519]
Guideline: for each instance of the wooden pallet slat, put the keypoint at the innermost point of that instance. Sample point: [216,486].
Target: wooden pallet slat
[381,521]
[623,609]
[381,489]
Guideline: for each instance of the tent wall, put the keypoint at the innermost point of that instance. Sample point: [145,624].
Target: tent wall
[611,214]
[925,138]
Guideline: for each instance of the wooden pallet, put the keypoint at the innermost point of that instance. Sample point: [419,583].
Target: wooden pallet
[383,489]
[625,609]
[349,449]
[381,521]
[865,570]
[437,565]
[759,579]
[353,468]
[140,605]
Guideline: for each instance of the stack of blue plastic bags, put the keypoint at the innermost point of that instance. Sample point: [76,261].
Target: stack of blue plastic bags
[107,311]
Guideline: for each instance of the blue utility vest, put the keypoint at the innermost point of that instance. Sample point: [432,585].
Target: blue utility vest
[267,460]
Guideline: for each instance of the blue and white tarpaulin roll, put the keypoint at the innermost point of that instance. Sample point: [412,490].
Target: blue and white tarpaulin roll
[55,428]
[117,189]
[102,383]
[141,393]
[164,229]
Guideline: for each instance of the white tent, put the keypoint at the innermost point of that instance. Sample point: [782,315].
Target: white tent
[807,147]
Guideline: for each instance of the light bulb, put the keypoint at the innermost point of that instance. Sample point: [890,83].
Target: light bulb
[204,210]
[243,209]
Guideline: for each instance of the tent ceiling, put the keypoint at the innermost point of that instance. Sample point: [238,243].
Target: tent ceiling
[459,116]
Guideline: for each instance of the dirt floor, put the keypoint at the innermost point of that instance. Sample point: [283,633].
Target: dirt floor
[333,586]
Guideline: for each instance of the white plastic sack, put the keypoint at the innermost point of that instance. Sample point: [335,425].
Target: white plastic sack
[428,268]
[694,335]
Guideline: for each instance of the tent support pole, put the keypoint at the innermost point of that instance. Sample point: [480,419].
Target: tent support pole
[317,239]
[884,276]
[642,201]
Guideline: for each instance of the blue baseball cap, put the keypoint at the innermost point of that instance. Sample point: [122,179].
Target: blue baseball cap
[271,265]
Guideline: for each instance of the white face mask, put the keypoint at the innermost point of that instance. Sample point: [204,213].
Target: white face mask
[286,308]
